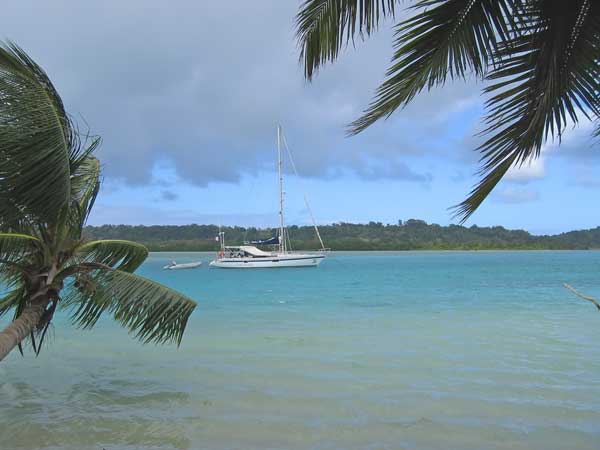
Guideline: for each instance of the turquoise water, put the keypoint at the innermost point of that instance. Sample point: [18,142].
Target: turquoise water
[429,350]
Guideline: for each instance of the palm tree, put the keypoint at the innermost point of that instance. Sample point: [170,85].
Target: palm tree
[540,60]
[49,180]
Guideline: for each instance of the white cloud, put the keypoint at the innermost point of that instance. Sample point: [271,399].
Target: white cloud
[532,170]
[575,141]
[513,195]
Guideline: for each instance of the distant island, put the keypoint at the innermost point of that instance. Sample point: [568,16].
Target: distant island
[411,234]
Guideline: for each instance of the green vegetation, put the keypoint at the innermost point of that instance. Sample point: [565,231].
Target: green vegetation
[409,235]
[49,180]
[539,61]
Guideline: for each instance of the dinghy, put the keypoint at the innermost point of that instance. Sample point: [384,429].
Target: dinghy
[174,266]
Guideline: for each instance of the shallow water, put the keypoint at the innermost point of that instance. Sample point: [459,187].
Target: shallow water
[414,350]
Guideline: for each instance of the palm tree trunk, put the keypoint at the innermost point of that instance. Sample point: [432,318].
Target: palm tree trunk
[22,327]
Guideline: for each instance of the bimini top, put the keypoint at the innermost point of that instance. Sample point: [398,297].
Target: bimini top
[250,249]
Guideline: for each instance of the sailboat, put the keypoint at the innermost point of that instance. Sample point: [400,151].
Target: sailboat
[250,256]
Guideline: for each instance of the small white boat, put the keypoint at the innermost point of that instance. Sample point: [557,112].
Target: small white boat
[174,266]
[249,256]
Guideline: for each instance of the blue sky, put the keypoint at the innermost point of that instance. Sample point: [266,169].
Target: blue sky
[187,95]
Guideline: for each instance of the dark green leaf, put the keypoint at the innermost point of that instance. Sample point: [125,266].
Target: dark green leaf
[37,141]
[151,311]
[118,254]
[446,38]
[323,27]
[547,77]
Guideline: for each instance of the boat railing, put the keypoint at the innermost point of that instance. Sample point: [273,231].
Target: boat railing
[320,250]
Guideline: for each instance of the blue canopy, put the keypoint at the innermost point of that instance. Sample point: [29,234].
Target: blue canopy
[271,241]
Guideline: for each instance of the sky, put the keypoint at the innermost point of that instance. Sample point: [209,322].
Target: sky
[187,96]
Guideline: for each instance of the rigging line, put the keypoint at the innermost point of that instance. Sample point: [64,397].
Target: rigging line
[308,208]
[253,195]
[289,242]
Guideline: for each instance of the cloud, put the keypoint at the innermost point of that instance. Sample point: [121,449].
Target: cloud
[168,195]
[203,87]
[579,143]
[128,215]
[532,170]
[513,195]
[458,176]
[393,169]
[576,143]
[586,177]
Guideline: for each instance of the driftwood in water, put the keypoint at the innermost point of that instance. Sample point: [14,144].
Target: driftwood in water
[585,297]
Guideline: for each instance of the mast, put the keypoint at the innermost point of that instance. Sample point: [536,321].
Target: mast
[308,208]
[222,239]
[282,246]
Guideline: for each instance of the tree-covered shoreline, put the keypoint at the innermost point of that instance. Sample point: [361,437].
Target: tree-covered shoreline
[408,235]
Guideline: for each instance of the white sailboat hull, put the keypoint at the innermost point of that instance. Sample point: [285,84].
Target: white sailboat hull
[289,260]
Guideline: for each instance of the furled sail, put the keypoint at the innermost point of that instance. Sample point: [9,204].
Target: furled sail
[271,241]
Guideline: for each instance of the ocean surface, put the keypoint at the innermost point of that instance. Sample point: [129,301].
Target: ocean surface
[408,350]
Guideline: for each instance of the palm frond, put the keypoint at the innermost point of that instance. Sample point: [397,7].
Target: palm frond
[85,185]
[150,311]
[117,254]
[12,299]
[323,27]
[447,38]
[85,180]
[14,246]
[548,76]
[15,221]
[37,140]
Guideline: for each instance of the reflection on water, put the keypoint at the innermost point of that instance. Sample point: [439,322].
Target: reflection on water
[369,351]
